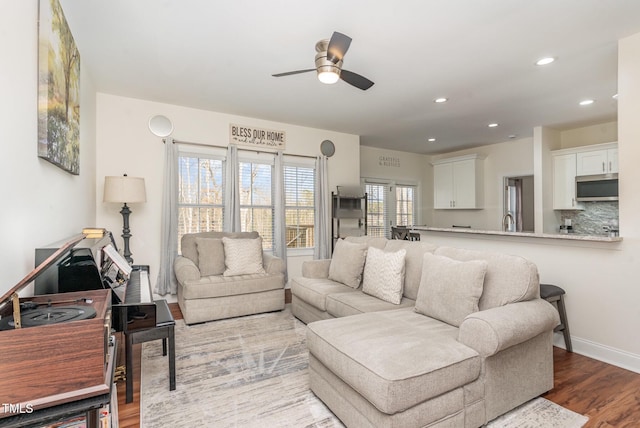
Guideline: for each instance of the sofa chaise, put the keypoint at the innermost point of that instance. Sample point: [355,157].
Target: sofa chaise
[468,340]
[223,275]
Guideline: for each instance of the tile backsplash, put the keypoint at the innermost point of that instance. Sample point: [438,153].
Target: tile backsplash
[593,218]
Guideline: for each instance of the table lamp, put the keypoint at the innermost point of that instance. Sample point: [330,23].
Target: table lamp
[125,190]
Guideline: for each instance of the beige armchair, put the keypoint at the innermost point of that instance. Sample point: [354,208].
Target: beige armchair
[215,284]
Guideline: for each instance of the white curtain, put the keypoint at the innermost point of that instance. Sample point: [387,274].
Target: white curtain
[167,283]
[279,226]
[322,249]
[232,191]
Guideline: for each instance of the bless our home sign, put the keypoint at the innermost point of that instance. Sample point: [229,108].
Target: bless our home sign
[257,137]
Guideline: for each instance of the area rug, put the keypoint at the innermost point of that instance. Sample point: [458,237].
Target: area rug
[252,372]
[539,413]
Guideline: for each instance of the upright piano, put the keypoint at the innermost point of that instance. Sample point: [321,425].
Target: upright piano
[94,264]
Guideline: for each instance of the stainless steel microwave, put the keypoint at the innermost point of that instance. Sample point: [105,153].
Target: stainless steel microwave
[601,187]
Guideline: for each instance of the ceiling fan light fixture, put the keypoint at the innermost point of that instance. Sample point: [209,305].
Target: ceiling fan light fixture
[328,75]
[328,71]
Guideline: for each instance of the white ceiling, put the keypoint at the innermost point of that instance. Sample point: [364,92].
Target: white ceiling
[220,55]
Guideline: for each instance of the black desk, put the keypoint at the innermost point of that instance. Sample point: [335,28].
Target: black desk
[90,407]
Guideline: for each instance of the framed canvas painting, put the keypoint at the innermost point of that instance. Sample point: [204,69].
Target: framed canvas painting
[58,89]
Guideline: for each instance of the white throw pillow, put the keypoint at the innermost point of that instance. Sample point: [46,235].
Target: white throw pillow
[347,263]
[450,289]
[242,256]
[384,274]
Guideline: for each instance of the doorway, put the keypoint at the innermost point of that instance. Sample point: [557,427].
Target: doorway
[518,212]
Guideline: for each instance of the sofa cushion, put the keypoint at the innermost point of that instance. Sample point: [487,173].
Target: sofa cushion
[345,304]
[347,263]
[220,286]
[509,278]
[450,289]
[210,256]
[383,275]
[412,262]
[242,256]
[314,291]
[188,247]
[395,359]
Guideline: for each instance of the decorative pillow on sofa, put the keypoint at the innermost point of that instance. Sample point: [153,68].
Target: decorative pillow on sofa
[384,274]
[450,289]
[210,256]
[242,256]
[347,262]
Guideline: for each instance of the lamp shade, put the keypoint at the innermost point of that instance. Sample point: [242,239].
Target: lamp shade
[124,189]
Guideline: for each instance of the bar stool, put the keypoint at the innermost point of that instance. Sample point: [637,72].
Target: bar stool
[552,293]
[164,330]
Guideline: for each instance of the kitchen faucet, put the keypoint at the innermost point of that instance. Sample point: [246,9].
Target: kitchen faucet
[507,221]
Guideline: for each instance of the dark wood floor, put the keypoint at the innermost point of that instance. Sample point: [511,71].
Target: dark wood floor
[608,395]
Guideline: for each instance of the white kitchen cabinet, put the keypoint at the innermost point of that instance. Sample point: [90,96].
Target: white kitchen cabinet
[458,183]
[564,182]
[592,162]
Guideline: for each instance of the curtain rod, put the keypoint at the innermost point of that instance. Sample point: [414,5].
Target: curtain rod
[188,143]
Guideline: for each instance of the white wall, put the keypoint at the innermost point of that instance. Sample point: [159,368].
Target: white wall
[601,279]
[585,136]
[42,203]
[507,159]
[125,145]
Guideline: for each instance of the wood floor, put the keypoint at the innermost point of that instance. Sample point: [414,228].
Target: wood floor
[608,395]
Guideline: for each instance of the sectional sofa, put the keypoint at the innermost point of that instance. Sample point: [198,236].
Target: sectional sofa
[467,339]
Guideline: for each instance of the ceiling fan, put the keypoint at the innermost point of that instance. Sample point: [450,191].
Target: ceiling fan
[330,54]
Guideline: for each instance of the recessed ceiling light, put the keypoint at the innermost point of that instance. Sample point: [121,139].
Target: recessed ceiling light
[586,102]
[545,61]
[431,140]
[615,96]
[492,125]
[441,100]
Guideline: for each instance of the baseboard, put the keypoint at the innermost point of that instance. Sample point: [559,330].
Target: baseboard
[607,354]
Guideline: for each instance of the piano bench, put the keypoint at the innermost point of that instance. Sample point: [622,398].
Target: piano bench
[165,330]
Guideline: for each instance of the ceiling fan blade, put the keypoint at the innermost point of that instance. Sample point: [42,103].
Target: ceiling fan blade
[356,80]
[289,73]
[338,46]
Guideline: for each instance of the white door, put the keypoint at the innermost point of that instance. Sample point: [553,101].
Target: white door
[590,163]
[564,179]
[443,186]
[464,187]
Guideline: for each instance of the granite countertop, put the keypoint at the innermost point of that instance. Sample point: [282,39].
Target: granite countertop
[568,236]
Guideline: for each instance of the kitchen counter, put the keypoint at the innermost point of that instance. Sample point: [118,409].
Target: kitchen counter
[566,236]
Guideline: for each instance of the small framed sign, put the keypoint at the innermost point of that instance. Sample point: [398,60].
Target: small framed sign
[257,137]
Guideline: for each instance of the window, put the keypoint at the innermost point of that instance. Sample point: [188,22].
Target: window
[201,189]
[405,206]
[200,194]
[389,204]
[256,200]
[299,187]
[377,207]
